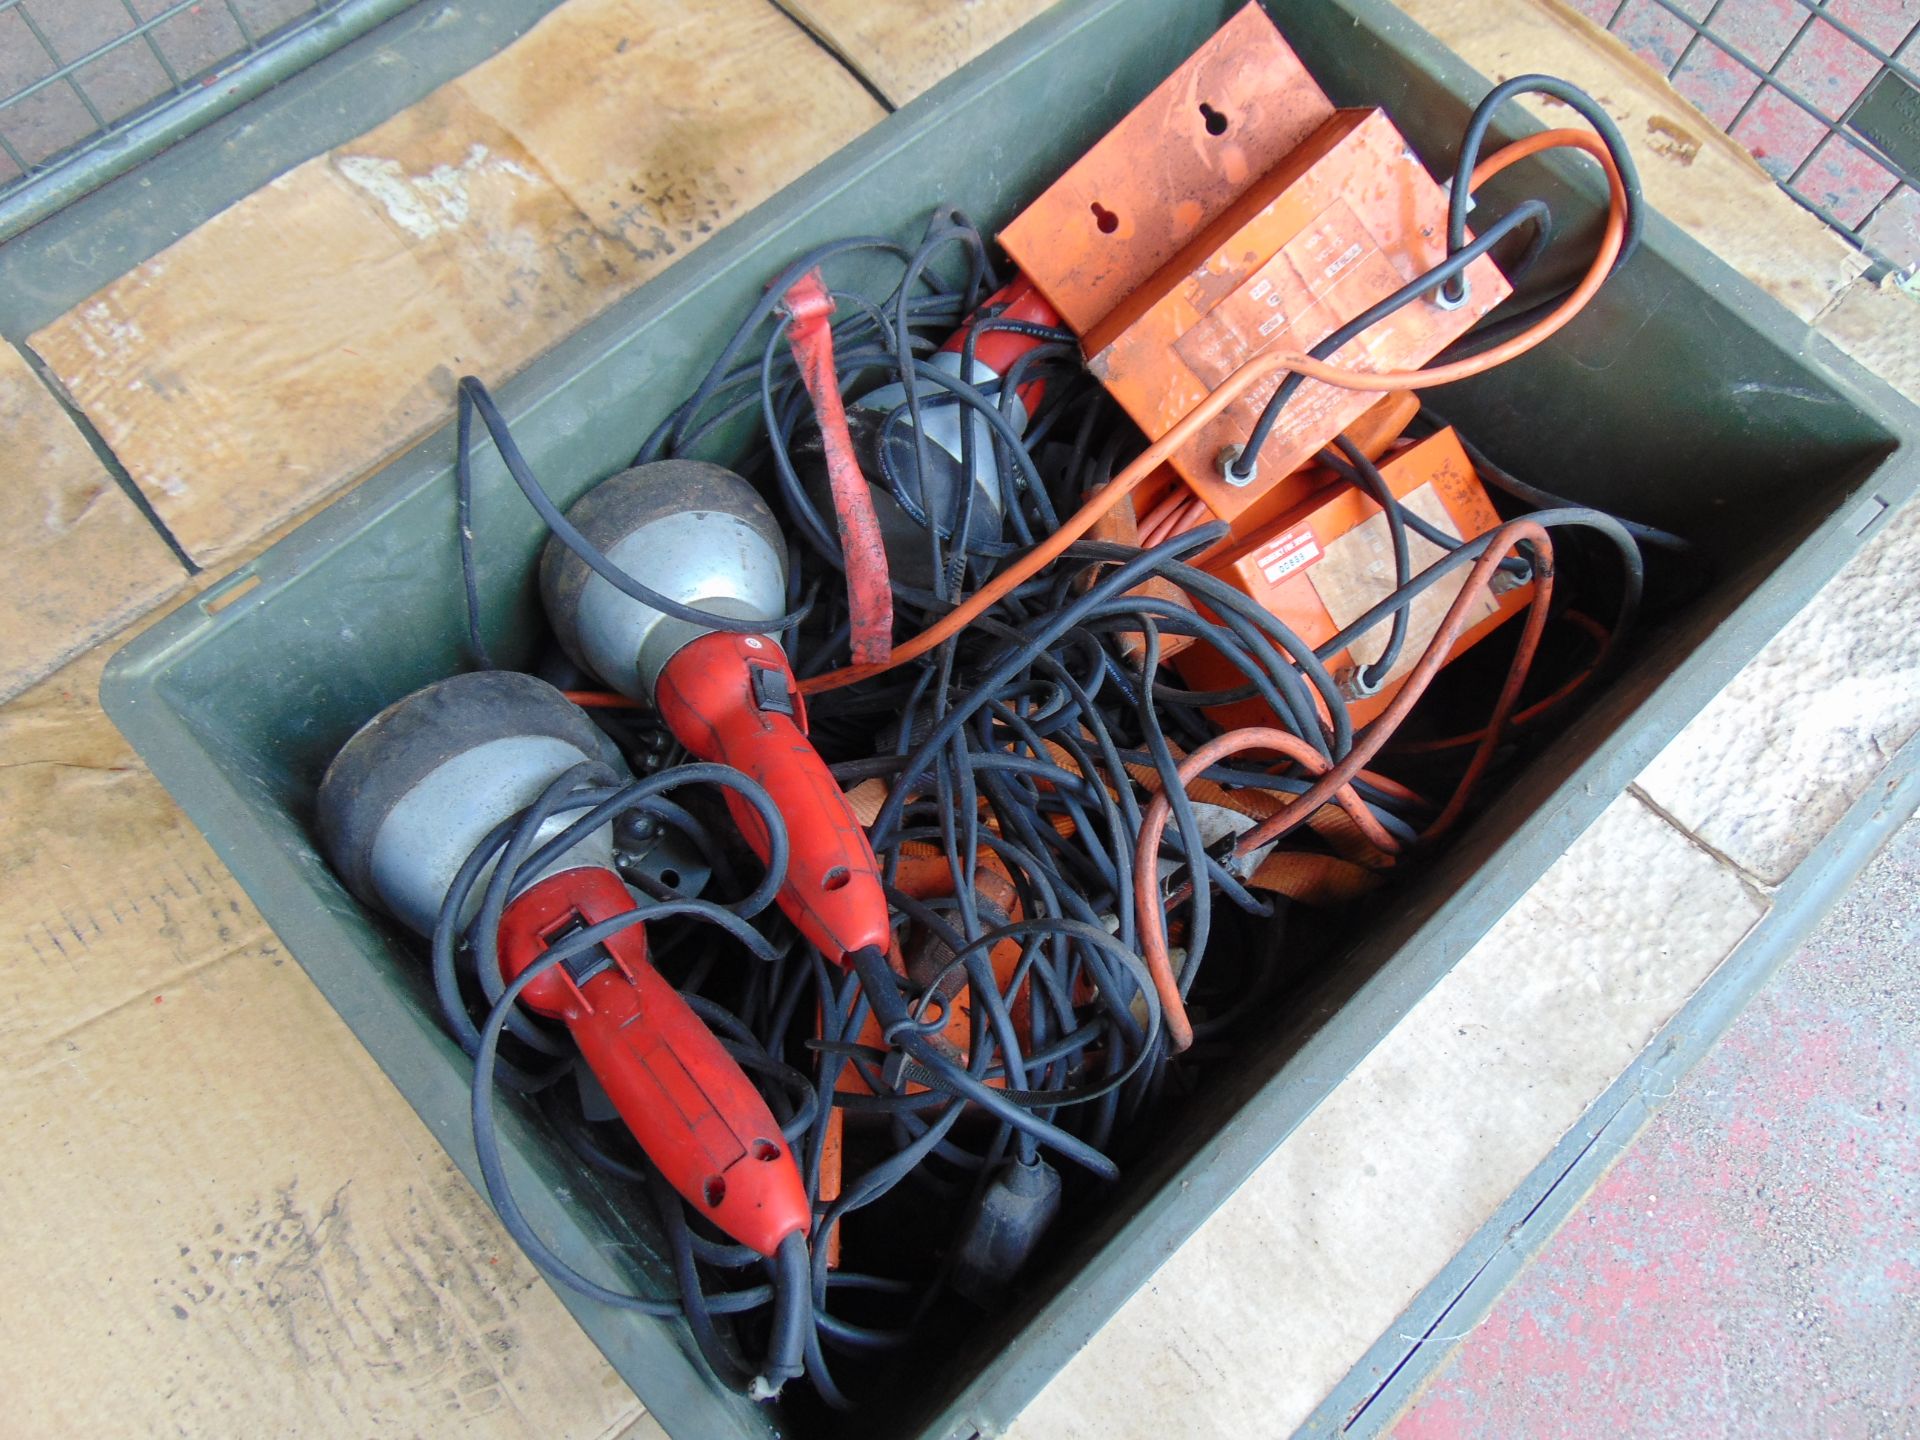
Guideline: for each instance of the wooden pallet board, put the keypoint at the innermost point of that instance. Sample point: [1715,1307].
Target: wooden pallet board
[906,47]
[303,336]
[81,558]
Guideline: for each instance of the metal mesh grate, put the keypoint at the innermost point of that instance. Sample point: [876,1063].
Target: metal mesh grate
[1823,92]
[89,87]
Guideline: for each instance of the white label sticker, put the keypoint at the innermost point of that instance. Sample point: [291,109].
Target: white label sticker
[1293,551]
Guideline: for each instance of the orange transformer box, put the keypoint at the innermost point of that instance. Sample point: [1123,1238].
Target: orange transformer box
[1235,210]
[1330,560]
[1238,107]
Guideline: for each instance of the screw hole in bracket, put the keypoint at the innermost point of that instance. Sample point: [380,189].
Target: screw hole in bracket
[835,879]
[1105,219]
[1216,122]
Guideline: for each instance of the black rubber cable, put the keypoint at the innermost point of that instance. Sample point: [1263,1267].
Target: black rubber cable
[1460,189]
[1241,469]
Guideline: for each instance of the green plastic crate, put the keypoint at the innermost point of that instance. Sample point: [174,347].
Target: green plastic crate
[1683,397]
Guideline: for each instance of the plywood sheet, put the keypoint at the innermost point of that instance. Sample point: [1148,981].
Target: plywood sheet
[1693,174]
[906,47]
[1248,1327]
[222,1219]
[299,338]
[81,558]
[662,121]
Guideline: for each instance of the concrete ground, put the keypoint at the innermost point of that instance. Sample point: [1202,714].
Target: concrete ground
[1750,1266]
[1771,73]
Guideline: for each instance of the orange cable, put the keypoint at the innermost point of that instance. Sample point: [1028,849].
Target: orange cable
[1517,671]
[1193,513]
[1149,916]
[1156,517]
[1390,787]
[1593,628]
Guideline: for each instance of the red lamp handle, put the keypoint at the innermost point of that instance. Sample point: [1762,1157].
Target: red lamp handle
[733,699]
[685,1099]
[869,599]
[1018,299]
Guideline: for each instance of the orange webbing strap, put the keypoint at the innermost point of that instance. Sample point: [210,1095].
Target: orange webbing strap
[1313,879]
[869,593]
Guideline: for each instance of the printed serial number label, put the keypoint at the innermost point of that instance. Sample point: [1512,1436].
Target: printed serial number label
[1280,558]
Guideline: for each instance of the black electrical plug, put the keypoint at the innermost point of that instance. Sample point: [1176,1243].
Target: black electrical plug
[1005,1228]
